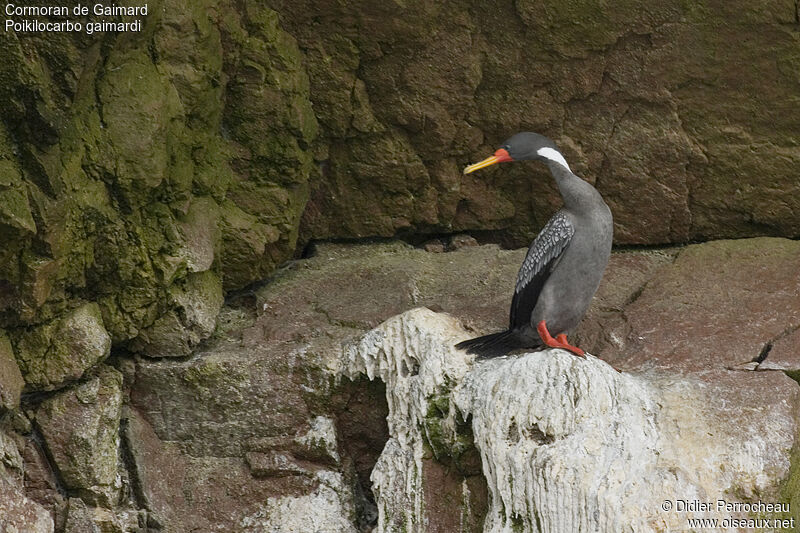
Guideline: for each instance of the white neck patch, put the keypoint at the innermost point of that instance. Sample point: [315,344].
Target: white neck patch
[553,155]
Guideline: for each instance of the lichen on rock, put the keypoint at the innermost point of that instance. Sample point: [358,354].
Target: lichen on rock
[83,519]
[195,302]
[19,513]
[11,380]
[80,427]
[118,184]
[56,353]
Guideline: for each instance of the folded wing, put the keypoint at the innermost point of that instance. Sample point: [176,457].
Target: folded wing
[543,256]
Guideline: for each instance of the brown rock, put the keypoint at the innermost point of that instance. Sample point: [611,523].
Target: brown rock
[196,301]
[155,462]
[41,484]
[716,306]
[84,519]
[453,502]
[79,519]
[361,419]
[605,328]
[784,354]
[214,403]
[80,426]
[203,492]
[18,513]
[11,382]
[434,246]
[461,241]
[275,464]
[637,103]
[475,283]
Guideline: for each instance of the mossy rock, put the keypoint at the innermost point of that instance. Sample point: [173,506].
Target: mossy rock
[195,302]
[113,163]
[11,381]
[86,454]
[61,351]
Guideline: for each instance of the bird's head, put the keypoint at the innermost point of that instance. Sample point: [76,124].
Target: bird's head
[522,147]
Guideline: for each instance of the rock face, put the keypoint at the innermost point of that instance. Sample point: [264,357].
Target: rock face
[328,508]
[196,302]
[80,427]
[18,513]
[59,352]
[11,381]
[566,443]
[407,93]
[208,491]
[259,427]
[144,174]
[123,206]
[421,420]
[270,124]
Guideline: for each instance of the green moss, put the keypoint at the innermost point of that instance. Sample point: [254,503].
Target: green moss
[272,126]
[445,444]
[112,163]
[62,350]
[211,376]
[696,11]
[379,185]
[15,210]
[212,173]
[517,524]
[205,375]
[790,491]
[246,246]
[85,454]
[11,380]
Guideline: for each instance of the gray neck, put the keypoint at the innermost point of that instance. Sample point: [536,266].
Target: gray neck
[578,195]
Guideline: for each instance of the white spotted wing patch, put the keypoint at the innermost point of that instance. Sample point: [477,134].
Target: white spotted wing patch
[547,246]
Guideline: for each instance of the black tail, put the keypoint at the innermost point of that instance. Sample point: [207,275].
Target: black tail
[492,345]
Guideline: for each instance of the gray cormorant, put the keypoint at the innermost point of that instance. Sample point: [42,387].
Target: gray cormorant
[565,262]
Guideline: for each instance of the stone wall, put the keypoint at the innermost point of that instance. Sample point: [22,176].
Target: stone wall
[220,134]
[145,175]
[682,114]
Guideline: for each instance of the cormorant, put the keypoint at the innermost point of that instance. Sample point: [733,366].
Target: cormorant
[565,262]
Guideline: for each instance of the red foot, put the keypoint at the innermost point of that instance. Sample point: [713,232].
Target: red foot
[559,342]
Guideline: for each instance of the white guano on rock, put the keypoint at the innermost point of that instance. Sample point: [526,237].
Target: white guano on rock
[327,509]
[567,444]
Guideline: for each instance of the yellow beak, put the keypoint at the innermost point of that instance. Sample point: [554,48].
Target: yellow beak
[500,156]
[485,163]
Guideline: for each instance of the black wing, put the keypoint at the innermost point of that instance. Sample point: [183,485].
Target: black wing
[542,257]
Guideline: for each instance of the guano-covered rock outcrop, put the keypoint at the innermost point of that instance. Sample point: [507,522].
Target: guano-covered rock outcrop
[158,189]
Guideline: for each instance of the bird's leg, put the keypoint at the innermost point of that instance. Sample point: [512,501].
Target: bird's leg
[559,342]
